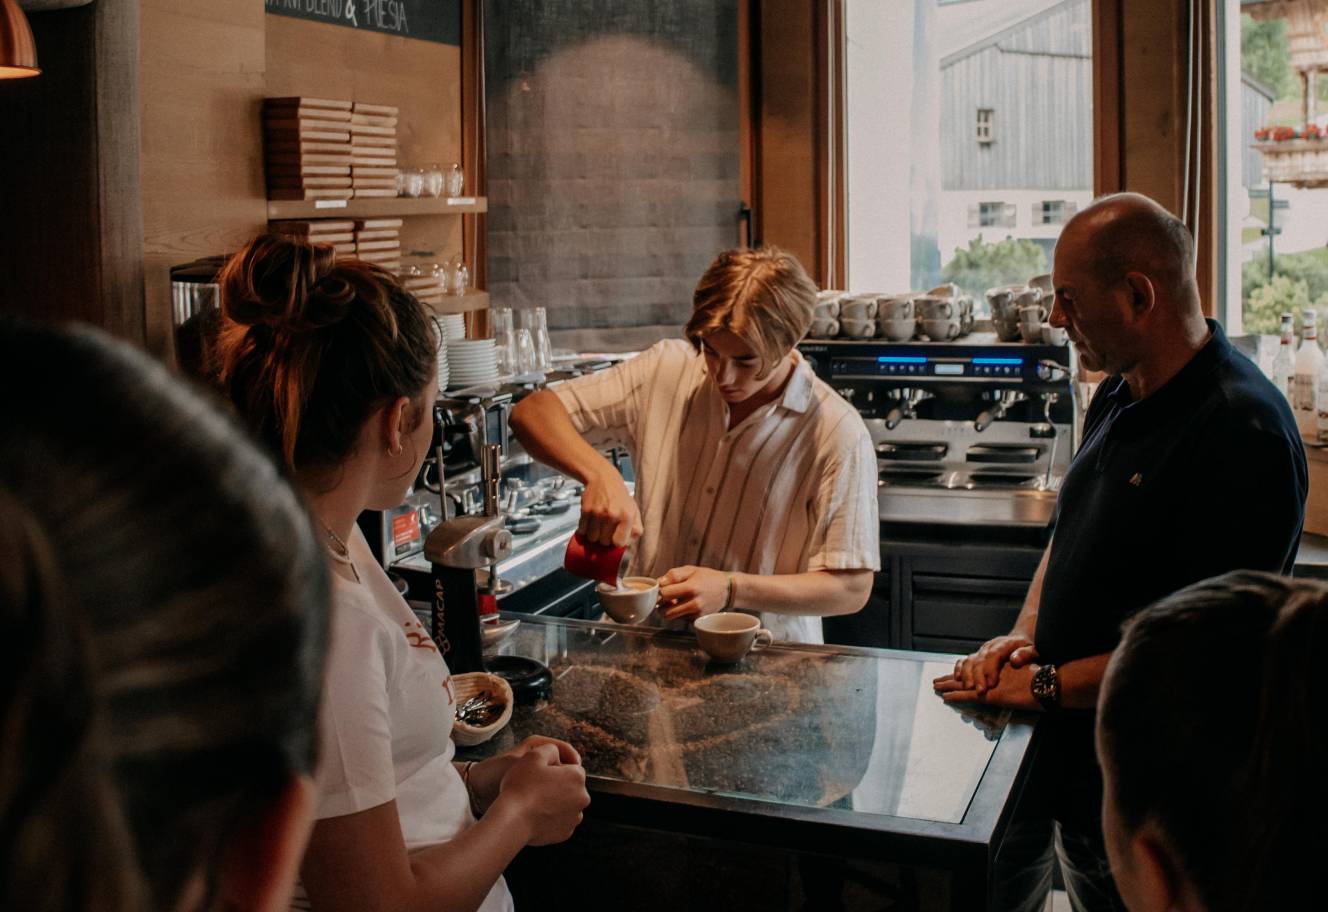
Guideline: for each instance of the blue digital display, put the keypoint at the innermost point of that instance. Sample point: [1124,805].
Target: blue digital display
[1014,361]
[900,359]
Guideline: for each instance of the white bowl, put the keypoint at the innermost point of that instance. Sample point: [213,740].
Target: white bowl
[465,686]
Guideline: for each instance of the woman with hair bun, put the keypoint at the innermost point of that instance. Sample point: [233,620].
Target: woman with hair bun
[162,635]
[1214,793]
[332,364]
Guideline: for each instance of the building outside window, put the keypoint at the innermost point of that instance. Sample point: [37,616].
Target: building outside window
[985,125]
[924,78]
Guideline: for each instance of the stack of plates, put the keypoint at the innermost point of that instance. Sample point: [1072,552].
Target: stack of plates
[452,326]
[472,362]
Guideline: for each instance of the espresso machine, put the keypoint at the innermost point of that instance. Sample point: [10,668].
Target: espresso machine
[970,432]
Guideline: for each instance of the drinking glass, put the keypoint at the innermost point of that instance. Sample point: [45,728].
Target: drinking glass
[505,335]
[414,182]
[433,180]
[536,319]
[455,180]
[525,352]
[459,276]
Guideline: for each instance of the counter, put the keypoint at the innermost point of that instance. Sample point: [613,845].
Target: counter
[794,754]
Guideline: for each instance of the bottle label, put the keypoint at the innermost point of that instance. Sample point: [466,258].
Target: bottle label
[1304,395]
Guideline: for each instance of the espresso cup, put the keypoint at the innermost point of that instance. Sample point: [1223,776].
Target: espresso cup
[858,307]
[826,310]
[857,329]
[934,307]
[946,290]
[940,330]
[631,604]
[1033,314]
[1006,330]
[1042,283]
[897,330]
[894,307]
[1054,335]
[728,636]
[824,328]
[1027,298]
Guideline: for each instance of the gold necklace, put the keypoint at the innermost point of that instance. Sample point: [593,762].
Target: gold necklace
[339,552]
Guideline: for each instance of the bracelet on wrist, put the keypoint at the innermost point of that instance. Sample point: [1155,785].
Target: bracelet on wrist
[465,780]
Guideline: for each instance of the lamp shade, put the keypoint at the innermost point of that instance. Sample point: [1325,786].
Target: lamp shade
[18,52]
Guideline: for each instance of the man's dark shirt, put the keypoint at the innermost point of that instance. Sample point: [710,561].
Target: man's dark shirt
[1204,476]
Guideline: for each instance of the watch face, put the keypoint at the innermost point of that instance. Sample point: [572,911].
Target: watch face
[1045,684]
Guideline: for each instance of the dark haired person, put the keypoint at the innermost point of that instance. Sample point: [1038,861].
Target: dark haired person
[756,482]
[1190,466]
[162,634]
[332,364]
[1215,797]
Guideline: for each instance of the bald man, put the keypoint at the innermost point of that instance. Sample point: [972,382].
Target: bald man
[1190,466]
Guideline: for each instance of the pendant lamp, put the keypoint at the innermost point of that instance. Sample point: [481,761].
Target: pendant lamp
[18,52]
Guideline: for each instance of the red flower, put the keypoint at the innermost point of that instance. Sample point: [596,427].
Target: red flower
[1261,134]
[1282,134]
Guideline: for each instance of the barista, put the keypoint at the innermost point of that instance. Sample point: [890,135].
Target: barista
[756,482]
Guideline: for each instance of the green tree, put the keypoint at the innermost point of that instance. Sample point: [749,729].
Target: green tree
[981,266]
[1266,304]
[1265,54]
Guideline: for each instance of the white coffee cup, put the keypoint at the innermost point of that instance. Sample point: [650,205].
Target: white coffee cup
[946,290]
[897,330]
[894,307]
[1007,330]
[631,604]
[935,307]
[728,636]
[823,328]
[1034,314]
[940,330]
[858,307]
[857,329]
[1042,283]
[1054,335]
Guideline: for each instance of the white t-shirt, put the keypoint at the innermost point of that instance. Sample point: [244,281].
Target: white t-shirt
[791,489]
[386,718]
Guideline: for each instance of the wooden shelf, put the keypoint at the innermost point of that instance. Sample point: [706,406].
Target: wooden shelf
[375,207]
[471,300]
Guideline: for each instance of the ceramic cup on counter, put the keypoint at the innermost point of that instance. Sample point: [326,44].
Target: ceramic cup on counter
[1031,319]
[897,330]
[940,330]
[631,604]
[823,328]
[1042,283]
[1006,330]
[946,290]
[1054,335]
[858,307]
[728,636]
[895,307]
[827,305]
[857,329]
[936,307]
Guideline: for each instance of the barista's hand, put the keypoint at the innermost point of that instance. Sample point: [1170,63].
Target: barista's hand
[690,592]
[609,515]
[487,775]
[544,795]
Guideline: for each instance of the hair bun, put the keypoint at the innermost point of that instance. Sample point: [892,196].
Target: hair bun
[286,285]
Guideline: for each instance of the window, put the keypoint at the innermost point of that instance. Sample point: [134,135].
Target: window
[984,125]
[1273,201]
[992,215]
[1053,212]
[926,203]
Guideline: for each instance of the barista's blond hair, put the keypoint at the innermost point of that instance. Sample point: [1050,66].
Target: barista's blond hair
[762,296]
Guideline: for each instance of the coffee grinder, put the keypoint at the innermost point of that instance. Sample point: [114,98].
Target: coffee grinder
[456,549]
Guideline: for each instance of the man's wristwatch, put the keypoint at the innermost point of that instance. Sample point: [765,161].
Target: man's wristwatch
[1046,687]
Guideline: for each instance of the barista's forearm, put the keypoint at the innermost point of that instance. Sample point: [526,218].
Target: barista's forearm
[819,592]
[541,423]
[1026,624]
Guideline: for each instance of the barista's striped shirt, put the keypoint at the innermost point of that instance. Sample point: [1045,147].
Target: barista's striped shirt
[790,489]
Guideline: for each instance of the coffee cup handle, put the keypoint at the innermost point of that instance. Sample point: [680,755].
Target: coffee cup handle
[763,639]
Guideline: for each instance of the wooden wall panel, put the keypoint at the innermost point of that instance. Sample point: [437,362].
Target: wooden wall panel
[420,77]
[71,229]
[202,74]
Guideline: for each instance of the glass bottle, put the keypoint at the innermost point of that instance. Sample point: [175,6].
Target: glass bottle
[455,180]
[1309,359]
[1284,365]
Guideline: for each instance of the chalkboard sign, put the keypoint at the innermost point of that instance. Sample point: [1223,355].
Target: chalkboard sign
[428,20]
